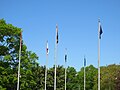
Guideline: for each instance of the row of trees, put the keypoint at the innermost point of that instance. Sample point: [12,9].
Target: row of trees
[33,75]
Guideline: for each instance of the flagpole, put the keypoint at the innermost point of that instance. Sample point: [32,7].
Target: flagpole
[65,66]
[55,66]
[19,62]
[65,75]
[46,63]
[56,47]
[98,54]
[84,72]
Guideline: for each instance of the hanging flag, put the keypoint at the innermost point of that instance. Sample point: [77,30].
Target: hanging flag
[20,39]
[47,50]
[84,61]
[56,34]
[100,30]
[65,58]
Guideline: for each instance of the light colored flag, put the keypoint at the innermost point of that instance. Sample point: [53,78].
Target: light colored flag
[47,50]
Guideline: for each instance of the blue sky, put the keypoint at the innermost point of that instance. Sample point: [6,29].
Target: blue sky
[78,28]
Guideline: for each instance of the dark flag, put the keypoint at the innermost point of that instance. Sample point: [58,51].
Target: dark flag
[65,58]
[56,34]
[100,31]
[84,61]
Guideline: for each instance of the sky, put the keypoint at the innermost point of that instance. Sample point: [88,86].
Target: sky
[77,27]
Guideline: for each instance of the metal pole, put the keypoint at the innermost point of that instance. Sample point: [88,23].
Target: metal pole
[19,62]
[46,71]
[56,53]
[55,67]
[98,55]
[65,66]
[79,87]
[46,64]
[65,75]
[84,76]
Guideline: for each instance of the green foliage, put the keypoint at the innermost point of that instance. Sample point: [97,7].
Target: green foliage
[9,47]
[91,71]
[109,78]
[71,78]
[117,78]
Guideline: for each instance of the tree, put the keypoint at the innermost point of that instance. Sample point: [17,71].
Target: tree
[117,79]
[109,78]
[71,78]
[60,77]
[50,79]
[91,72]
[9,47]
[9,42]
[60,74]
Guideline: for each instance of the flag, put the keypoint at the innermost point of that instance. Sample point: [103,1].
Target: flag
[56,34]
[47,50]
[65,58]
[20,39]
[84,61]
[100,30]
